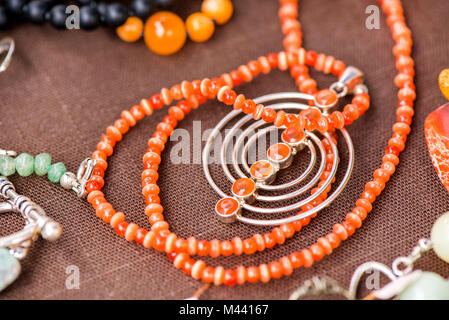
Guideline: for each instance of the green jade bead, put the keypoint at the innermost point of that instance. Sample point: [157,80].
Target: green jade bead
[42,163]
[56,171]
[24,164]
[7,166]
[429,286]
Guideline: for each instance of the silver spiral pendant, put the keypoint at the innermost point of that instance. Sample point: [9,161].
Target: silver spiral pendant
[253,179]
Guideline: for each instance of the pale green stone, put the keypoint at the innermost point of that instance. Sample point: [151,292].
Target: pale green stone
[9,268]
[429,286]
[42,163]
[56,171]
[7,166]
[24,164]
[440,237]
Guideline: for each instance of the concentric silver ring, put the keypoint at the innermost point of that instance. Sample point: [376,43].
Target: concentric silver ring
[242,151]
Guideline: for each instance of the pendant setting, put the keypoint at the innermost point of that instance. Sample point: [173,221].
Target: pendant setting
[251,181]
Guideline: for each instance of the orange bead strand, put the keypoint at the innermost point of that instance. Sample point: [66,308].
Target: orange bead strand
[296,59]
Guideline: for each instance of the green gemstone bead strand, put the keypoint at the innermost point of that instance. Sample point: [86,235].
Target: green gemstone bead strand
[25,165]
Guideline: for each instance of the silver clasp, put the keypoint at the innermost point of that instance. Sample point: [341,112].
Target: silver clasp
[351,81]
[6,45]
[78,183]
[36,221]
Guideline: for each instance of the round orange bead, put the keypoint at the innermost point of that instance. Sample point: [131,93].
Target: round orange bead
[219,10]
[200,27]
[165,33]
[131,30]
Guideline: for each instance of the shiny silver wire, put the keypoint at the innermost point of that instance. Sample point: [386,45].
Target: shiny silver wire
[296,206]
[6,45]
[319,286]
[364,268]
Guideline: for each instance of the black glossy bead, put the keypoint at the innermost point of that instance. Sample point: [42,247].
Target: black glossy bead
[141,8]
[163,3]
[15,6]
[58,16]
[84,2]
[36,11]
[3,18]
[88,18]
[116,15]
[102,9]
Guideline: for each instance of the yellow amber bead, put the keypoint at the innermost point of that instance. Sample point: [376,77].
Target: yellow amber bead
[131,30]
[219,10]
[200,27]
[443,80]
[165,33]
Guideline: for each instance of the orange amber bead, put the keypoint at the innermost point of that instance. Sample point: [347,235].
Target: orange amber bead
[326,98]
[165,33]
[200,27]
[131,30]
[219,10]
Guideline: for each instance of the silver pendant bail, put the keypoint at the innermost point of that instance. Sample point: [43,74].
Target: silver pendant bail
[349,82]
[78,183]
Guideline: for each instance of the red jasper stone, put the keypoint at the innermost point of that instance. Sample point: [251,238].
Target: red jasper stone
[436,129]
[227,206]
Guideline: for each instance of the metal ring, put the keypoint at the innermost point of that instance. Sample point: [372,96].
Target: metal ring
[295,206]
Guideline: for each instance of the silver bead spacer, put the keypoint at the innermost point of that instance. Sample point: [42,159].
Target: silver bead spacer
[68,180]
[361,88]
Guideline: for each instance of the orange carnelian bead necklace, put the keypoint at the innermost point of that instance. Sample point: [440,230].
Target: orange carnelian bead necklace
[194,93]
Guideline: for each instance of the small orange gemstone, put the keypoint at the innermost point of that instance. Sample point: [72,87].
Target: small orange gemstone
[326,97]
[243,187]
[292,135]
[227,206]
[279,151]
[261,169]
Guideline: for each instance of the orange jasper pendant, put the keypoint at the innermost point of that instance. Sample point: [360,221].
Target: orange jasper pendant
[436,129]
[227,208]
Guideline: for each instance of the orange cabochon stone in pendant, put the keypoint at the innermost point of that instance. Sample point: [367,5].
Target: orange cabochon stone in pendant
[292,135]
[227,206]
[436,129]
[261,169]
[278,152]
[243,187]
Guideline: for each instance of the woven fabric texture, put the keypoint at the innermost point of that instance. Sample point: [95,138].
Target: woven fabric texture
[64,88]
